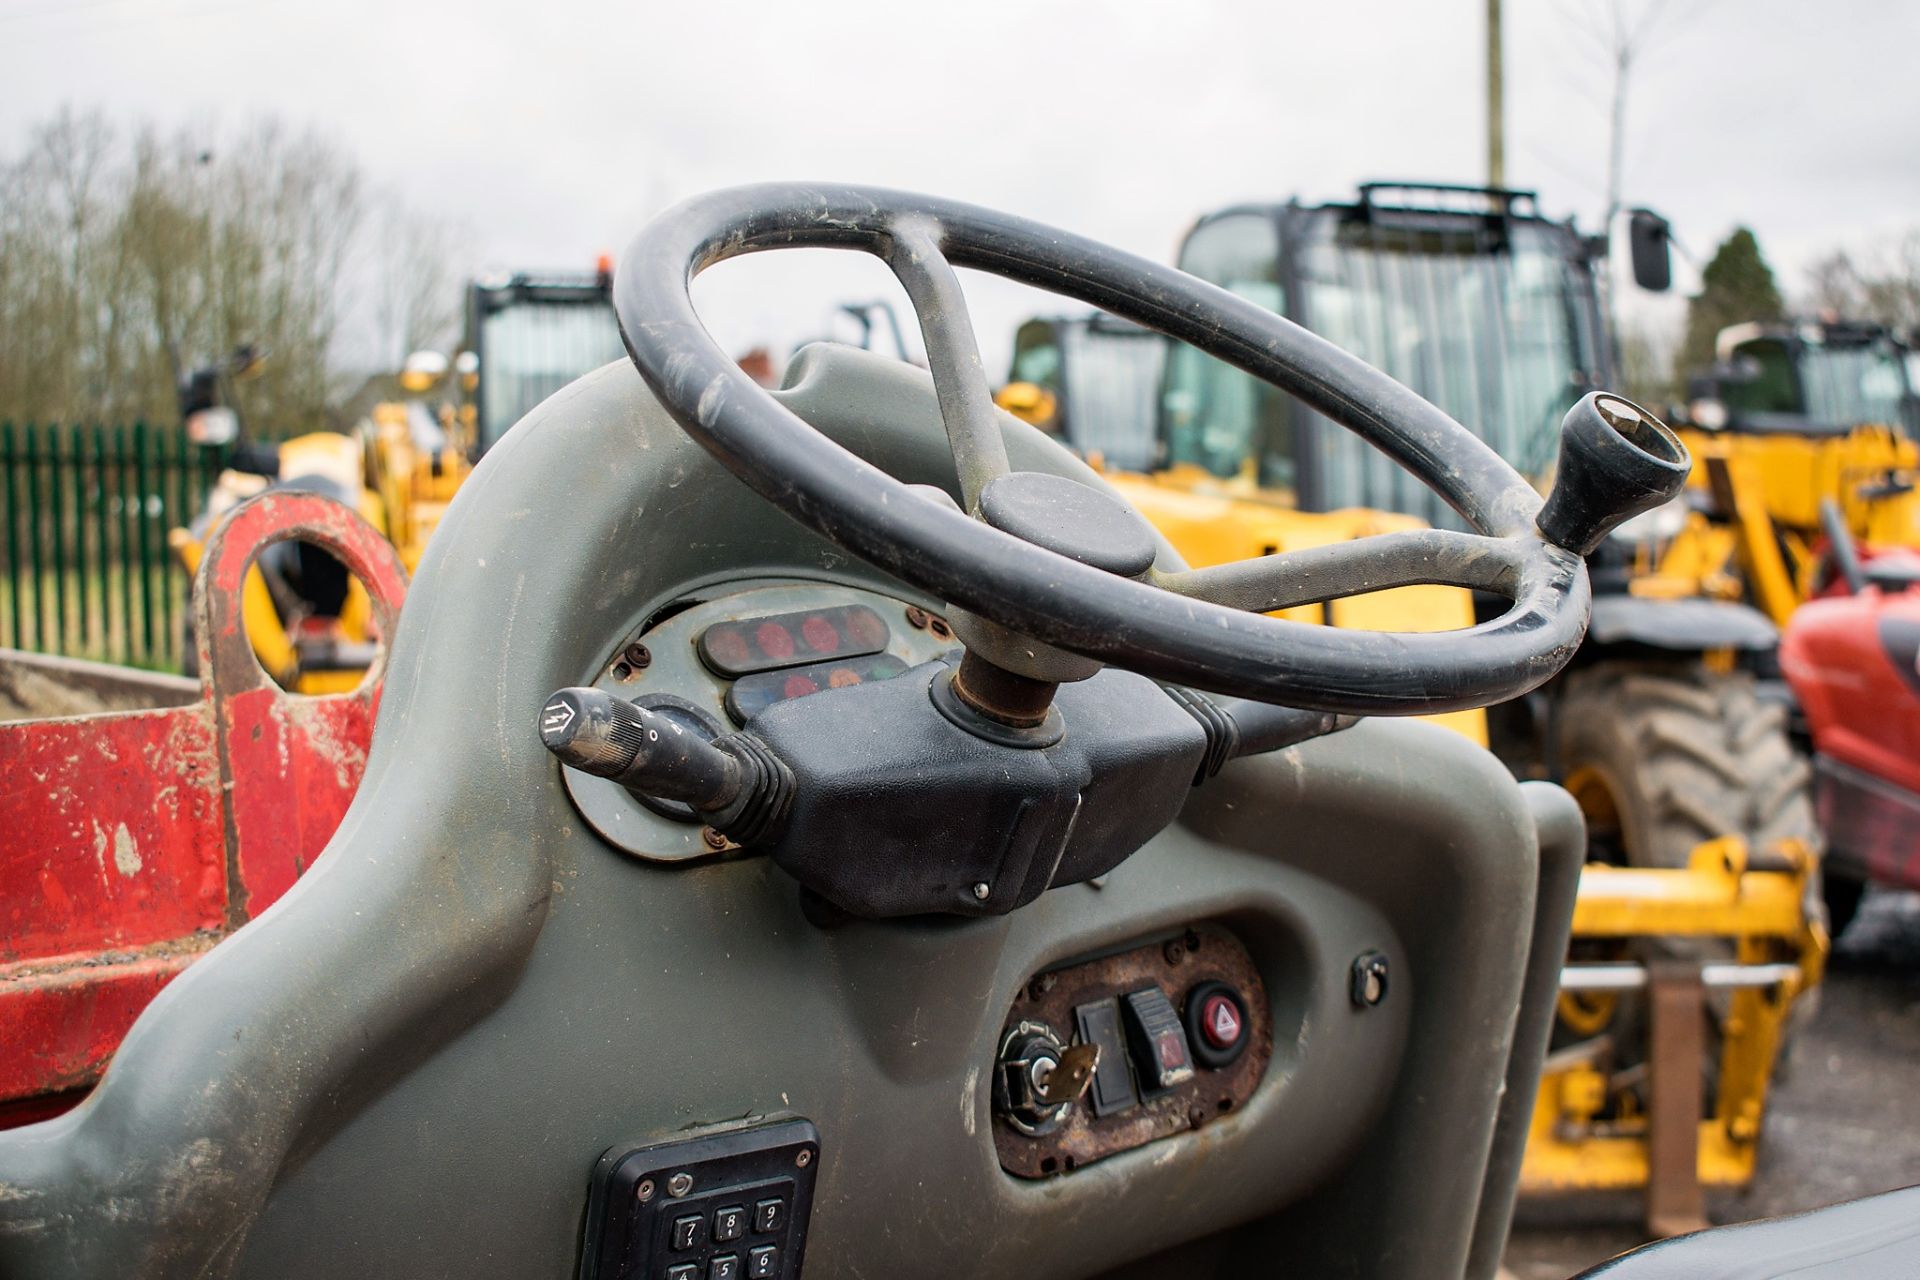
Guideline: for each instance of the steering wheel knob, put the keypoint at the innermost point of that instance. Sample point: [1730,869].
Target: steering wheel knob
[1070,519]
[1616,461]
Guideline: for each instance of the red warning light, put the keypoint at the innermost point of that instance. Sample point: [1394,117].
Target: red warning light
[865,629]
[774,640]
[744,646]
[730,648]
[752,694]
[819,634]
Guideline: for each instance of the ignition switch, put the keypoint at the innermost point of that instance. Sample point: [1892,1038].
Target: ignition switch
[1037,1078]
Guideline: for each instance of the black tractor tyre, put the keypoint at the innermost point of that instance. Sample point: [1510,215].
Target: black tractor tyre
[1663,757]
[1676,755]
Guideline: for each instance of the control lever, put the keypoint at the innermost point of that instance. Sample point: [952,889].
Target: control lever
[736,785]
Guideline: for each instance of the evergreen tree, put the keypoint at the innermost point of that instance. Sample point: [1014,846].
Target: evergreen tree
[1737,286]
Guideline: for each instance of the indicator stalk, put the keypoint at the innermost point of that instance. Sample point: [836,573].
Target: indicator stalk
[737,786]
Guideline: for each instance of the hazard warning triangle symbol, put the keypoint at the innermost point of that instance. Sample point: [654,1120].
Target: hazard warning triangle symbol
[1226,1022]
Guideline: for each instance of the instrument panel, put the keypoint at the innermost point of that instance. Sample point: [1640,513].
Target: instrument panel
[714,659]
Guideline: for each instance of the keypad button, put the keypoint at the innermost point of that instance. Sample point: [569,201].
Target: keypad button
[763,1263]
[725,1266]
[729,1223]
[689,1232]
[769,1215]
[685,1271]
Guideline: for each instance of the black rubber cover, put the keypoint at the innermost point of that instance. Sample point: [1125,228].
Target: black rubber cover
[897,812]
[1075,520]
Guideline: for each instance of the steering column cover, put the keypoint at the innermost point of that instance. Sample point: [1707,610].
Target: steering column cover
[897,812]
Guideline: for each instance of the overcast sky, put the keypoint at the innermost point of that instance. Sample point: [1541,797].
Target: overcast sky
[553,131]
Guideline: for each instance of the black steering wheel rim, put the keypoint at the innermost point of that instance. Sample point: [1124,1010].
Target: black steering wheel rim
[1222,648]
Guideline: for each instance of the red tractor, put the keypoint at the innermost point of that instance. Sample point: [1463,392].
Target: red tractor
[1853,659]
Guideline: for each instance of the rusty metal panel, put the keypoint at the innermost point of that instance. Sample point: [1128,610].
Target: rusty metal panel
[112,832]
[134,841]
[1176,965]
[1675,1201]
[296,764]
[63,1022]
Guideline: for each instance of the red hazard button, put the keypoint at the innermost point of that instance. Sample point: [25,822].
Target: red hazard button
[1217,1024]
[1220,1022]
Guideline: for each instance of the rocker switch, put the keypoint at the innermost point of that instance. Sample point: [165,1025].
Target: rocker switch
[1099,1024]
[1158,1041]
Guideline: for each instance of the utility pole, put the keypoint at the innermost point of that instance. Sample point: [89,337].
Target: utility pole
[1496,101]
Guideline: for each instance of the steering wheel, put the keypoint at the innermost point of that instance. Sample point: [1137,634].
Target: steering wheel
[1204,628]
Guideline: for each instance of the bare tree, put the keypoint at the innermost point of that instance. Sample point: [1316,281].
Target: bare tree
[416,281]
[1623,37]
[125,258]
[1882,284]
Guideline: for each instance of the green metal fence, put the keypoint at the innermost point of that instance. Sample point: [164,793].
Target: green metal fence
[85,568]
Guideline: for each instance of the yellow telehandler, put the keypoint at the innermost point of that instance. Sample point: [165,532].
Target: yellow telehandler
[310,622]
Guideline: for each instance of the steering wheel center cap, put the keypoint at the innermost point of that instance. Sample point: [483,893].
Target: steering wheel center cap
[1070,519]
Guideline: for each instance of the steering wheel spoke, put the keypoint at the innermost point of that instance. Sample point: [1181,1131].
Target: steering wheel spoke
[1316,575]
[953,355]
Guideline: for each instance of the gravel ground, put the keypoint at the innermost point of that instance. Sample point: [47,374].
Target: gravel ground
[1844,1121]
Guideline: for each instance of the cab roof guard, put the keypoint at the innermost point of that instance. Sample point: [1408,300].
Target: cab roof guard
[496,293]
[1448,198]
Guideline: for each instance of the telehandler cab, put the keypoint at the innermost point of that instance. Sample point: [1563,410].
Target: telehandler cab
[719,913]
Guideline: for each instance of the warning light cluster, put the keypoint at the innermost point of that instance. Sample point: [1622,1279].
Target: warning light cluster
[752,694]
[750,645]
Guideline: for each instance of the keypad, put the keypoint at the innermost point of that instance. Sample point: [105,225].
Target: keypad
[726,1206]
[733,1233]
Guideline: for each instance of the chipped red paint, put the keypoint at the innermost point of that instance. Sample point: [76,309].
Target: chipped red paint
[136,840]
[114,832]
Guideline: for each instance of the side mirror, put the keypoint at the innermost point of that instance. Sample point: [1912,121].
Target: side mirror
[1649,237]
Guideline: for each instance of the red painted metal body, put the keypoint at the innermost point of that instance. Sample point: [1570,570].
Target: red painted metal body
[131,842]
[1854,664]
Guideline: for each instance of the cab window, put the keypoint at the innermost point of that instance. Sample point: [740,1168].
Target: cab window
[1213,415]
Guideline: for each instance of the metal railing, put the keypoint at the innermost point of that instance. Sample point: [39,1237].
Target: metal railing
[85,567]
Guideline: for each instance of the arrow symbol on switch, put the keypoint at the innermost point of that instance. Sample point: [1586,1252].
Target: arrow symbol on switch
[556,717]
